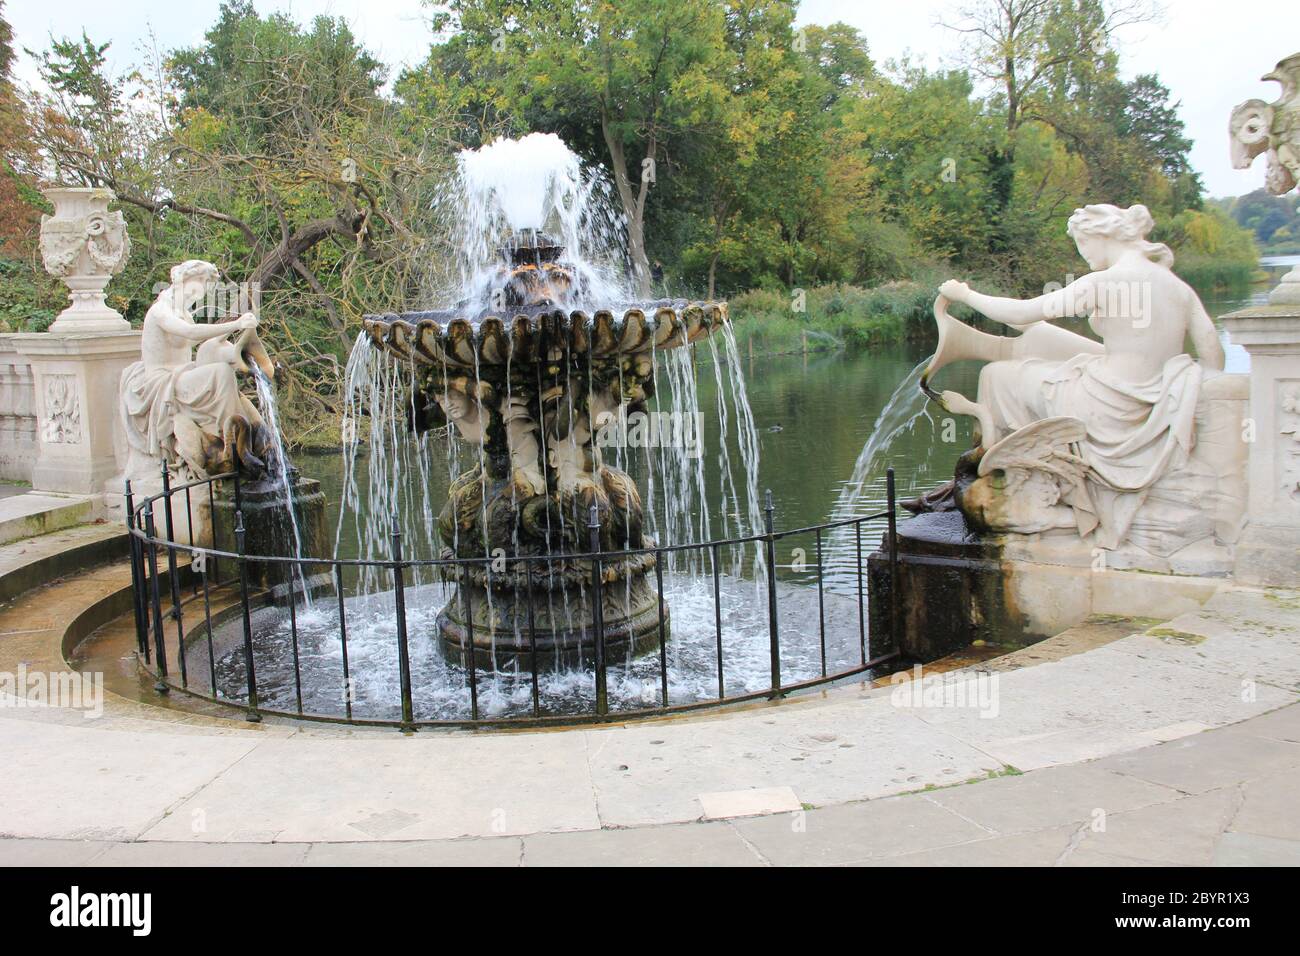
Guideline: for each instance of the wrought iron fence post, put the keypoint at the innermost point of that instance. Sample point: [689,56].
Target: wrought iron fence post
[155,596]
[403,652]
[893,562]
[597,610]
[773,627]
[137,573]
[471,664]
[250,673]
[168,522]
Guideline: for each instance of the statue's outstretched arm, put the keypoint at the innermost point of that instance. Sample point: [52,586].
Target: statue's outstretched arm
[1205,337]
[1073,300]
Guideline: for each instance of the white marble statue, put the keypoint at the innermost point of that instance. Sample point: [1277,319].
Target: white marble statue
[1075,433]
[1272,129]
[186,407]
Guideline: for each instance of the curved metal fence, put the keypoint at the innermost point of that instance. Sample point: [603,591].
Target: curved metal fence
[183,591]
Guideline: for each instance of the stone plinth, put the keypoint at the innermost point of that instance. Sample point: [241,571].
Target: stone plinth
[18,444]
[268,533]
[75,387]
[1269,550]
[956,587]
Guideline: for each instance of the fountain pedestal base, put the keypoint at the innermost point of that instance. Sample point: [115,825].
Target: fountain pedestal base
[562,633]
[267,531]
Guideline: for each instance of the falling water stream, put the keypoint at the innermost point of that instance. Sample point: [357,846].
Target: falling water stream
[281,473]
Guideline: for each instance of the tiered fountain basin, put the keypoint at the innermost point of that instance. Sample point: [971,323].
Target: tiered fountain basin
[531,389]
[543,334]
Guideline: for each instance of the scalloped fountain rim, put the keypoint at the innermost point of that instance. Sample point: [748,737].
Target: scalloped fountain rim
[445,337]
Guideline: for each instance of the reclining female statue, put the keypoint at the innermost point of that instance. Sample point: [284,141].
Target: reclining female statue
[187,407]
[1078,431]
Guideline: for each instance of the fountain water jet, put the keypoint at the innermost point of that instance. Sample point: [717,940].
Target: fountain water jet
[541,350]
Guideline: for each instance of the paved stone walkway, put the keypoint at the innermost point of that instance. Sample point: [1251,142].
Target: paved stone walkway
[1224,797]
[1121,743]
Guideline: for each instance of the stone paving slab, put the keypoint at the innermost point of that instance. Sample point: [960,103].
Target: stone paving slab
[499,851]
[64,782]
[1271,805]
[18,851]
[1036,848]
[703,844]
[1057,796]
[849,749]
[1248,849]
[1210,638]
[856,832]
[156,853]
[428,786]
[1283,724]
[1182,834]
[1208,761]
[1102,702]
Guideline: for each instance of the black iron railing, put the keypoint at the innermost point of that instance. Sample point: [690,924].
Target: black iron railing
[203,565]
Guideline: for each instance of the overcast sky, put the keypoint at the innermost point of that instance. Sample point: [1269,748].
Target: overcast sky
[1210,53]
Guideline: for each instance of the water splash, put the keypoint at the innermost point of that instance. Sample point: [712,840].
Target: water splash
[906,406]
[533,183]
[282,473]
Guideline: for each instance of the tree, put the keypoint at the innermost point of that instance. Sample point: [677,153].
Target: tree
[17,210]
[927,143]
[1037,54]
[274,135]
[625,82]
[270,150]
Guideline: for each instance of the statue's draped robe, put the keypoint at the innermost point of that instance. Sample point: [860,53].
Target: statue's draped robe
[1137,432]
[153,397]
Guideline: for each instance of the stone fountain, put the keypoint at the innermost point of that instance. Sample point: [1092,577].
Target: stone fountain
[530,382]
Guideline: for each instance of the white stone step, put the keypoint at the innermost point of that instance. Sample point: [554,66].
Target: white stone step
[34,513]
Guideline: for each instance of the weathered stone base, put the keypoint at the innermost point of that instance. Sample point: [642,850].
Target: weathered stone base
[562,625]
[1268,556]
[267,532]
[956,587]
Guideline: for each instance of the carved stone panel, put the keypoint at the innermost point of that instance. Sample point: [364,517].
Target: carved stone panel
[62,411]
[1288,456]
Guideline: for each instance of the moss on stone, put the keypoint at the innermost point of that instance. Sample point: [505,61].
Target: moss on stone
[1171,636]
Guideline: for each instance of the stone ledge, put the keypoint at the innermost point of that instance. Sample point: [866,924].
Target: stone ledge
[37,513]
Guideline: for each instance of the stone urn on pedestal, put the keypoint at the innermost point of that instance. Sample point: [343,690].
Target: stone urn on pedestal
[85,244]
[77,363]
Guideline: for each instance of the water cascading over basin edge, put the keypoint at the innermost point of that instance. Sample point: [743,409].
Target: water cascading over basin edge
[530,383]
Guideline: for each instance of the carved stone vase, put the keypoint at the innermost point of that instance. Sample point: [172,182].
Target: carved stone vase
[85,244]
